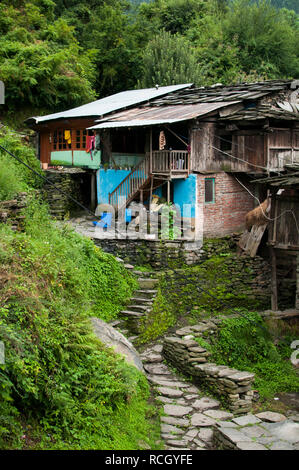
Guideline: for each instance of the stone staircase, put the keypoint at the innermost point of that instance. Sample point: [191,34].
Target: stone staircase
[141,304]
[190,419]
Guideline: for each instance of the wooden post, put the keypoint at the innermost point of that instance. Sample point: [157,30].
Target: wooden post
[274,302]
[141,196]
[93,191]
[151,152]
[297,288]
[168,191]
[151,194]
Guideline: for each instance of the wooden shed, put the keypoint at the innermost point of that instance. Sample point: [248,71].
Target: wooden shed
[283,227]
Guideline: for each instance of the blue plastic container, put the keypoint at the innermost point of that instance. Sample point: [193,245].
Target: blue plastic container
[128,215]
[106,220]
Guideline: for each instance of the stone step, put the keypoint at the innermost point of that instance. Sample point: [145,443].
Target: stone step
[147,283]
[143,274]
[141,300]
[149,293]
[138,308]
[130,313]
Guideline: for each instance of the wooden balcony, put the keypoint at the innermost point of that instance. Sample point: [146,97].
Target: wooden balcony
[170,163]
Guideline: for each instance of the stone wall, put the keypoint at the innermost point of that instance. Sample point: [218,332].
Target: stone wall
[72,182]
[185,353]
[154,253]
[11,211]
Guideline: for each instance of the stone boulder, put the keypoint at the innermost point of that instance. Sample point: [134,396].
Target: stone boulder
[113,338]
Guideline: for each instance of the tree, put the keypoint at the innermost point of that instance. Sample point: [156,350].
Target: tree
[168,60]
[266,39]
[41,62]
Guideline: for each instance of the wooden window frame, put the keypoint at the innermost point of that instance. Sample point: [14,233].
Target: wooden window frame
[213,191]
[78,137]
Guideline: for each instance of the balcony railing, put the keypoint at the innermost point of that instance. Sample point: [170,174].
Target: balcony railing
[170,161]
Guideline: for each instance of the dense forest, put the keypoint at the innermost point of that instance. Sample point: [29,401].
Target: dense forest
[56,54]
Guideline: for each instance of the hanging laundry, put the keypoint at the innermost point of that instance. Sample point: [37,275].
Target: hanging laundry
[162,141]
[67,136]
[90,144]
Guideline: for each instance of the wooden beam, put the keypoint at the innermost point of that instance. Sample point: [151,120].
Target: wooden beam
[168,191]
[297,285]
[93,191]
[274,300]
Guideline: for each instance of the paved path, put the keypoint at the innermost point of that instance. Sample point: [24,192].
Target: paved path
[189,418]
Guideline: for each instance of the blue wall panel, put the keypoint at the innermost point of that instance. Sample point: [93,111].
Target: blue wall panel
[107,182]
[184,192]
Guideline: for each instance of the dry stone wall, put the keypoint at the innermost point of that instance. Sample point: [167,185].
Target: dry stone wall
[154,253]
[185,353]
[11,210]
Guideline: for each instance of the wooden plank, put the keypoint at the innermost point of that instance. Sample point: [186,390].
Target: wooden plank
[250,241]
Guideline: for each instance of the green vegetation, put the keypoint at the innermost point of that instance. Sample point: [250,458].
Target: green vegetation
[169,59]
[60,387]
[14,177]
[58,54]
[216,286]
[246,343]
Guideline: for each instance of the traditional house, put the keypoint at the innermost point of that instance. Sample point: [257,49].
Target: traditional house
[283,232]
[197,146]
[204,146]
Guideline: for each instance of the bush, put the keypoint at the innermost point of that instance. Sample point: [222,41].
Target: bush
[246,344]
[15,177]
[60,387]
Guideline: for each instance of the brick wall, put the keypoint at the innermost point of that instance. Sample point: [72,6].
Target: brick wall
[232,202]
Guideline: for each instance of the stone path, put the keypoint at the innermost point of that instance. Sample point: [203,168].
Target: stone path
[194,422]
[189,418]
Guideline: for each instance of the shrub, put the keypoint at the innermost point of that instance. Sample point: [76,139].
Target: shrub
[60,387]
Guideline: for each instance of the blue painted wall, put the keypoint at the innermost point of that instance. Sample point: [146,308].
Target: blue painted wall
[184,192]
[107,182]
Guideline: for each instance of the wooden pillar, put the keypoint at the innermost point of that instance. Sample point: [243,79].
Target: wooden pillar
[151,194]
[274,300]
[168,191]
[151,152]
[93,191]
[297,284]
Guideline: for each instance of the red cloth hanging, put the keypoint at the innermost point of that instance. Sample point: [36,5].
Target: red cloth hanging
[90,144]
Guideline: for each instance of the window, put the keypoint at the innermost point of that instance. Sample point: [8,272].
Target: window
[59,139]
[59,142]
[226,142]
[209,190]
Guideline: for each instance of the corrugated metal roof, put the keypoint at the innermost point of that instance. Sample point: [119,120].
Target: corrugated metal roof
[149,116]
[112,103]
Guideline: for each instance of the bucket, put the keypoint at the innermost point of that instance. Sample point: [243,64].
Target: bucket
[106,219]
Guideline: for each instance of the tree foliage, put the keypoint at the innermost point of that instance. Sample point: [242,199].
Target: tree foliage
[168,60]
[56,54]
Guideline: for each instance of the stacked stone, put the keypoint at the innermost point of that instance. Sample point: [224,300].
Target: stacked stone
[11,211]
[185,353]
[141,304]
[152,252]
[60,204]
